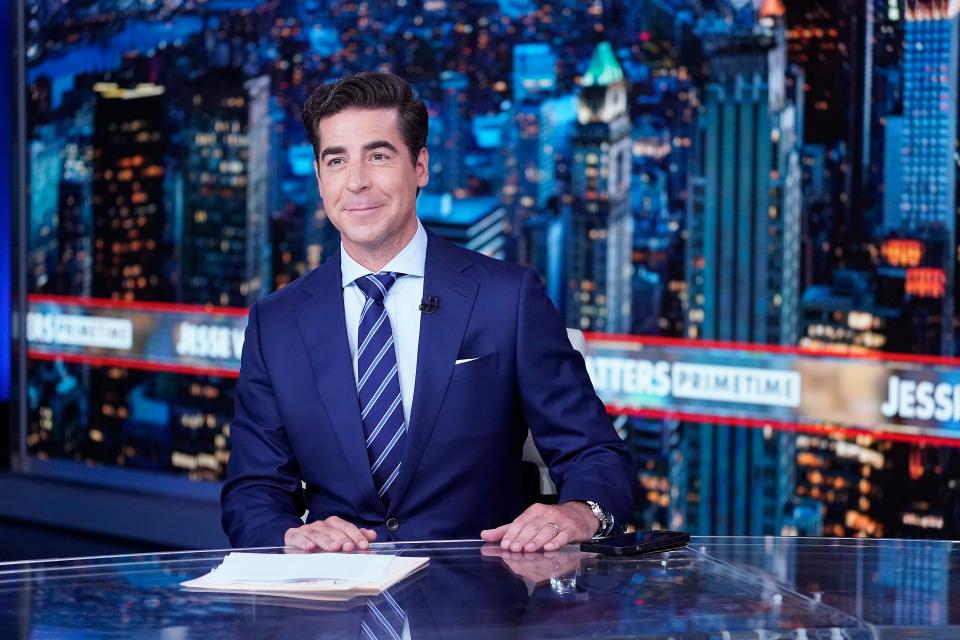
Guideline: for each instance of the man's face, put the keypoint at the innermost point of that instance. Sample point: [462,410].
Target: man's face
[368,182]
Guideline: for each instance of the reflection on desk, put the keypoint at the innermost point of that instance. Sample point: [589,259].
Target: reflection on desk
[744,587]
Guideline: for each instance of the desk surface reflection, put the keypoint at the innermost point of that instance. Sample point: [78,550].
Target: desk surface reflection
[717,587]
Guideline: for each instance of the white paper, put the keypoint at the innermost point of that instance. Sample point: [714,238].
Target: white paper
[276,567]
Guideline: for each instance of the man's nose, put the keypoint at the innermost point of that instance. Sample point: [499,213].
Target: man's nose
[358,179]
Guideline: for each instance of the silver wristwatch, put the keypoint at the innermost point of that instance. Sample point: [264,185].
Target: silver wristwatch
[603,517]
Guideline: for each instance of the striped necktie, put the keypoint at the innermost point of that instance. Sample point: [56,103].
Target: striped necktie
[378,384]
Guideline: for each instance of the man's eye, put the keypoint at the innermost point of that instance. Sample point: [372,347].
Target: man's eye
[335,162]
[379,156]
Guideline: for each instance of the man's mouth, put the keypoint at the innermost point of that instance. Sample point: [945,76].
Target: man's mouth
[362,208]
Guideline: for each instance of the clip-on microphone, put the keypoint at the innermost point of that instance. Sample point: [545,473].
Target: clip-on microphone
[429,304]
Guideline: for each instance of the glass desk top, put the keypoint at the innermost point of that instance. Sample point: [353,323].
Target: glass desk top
[718,587]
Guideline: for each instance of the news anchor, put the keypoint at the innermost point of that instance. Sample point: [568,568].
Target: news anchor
[390,390]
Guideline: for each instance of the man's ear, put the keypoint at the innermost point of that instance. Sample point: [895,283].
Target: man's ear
[316,171]
[423,167]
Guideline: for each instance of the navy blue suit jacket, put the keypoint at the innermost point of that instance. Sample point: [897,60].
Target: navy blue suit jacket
[298,417]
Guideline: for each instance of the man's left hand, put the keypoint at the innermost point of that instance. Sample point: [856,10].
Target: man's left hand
[545,526]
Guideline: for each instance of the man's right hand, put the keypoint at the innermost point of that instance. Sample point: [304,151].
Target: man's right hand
[332,534]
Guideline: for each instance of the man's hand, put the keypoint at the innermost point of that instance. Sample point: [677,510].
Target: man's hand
[547,527]
[332,534]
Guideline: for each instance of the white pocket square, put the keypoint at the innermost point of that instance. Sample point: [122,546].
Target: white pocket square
[464,360]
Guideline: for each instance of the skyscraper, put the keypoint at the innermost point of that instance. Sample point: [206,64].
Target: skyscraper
[74,225]
[839,477]
[530,159]
[742,270]
[225,217]
[454,131]
[534,71]
[129,144]
[931,62]
[224,255]
[600,237]
[47,169]
[744,215]
[532,170]
[477,223]
[927,169]
[833,41]
[130,251]
[845,317]
[886,83]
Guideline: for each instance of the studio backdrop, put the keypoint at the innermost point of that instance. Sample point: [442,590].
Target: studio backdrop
[749,208]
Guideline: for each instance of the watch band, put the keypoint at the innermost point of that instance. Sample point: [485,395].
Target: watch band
[604,517]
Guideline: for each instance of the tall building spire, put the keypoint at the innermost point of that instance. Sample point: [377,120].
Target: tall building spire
[603,69]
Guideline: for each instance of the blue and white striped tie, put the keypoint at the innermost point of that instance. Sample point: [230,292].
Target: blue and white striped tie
[378,384]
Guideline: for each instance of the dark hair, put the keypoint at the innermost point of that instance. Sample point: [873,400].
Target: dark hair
[369,90]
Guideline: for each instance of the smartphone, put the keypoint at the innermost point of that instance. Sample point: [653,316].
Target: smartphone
[638,542]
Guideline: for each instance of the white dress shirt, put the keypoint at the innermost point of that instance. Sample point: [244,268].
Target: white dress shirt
[403,309]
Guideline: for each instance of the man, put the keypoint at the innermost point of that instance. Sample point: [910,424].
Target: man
[397,380]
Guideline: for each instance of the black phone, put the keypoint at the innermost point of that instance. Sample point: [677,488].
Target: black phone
[638,542]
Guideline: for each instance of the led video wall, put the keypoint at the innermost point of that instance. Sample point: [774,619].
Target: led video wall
[748,207]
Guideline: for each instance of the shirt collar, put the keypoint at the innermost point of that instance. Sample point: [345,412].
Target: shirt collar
[411,260]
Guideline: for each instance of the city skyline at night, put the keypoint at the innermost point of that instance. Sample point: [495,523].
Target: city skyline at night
[728,171]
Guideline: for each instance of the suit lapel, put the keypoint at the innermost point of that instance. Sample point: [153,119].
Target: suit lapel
[320,318]
[441,333]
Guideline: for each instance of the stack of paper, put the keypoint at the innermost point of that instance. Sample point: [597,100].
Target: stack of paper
[317,576]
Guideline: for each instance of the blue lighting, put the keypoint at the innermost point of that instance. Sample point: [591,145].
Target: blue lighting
[5,226]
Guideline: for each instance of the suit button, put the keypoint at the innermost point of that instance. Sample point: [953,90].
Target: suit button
[392,524]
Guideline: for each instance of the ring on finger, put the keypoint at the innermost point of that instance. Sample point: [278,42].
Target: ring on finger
[554,525]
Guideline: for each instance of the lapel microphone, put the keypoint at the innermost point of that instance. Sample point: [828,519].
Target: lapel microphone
[429,304]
